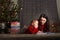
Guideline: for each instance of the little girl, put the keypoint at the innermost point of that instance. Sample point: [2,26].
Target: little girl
[33,28]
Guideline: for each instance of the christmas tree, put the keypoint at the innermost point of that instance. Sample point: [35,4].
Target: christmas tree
[8,11]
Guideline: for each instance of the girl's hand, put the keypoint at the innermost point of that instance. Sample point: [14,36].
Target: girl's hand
[40,32]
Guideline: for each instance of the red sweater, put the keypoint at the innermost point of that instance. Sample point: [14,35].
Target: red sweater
[42,27]
[31,30]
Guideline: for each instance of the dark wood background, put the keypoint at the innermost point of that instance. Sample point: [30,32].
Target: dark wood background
[31,9]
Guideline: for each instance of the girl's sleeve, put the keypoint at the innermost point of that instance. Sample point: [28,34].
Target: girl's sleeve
[32,30]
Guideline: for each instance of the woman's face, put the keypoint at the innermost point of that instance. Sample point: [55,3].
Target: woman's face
[43,20]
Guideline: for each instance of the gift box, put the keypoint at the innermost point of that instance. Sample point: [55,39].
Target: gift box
[15,27]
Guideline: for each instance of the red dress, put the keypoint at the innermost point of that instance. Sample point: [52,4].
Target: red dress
[31,30]
[43,28]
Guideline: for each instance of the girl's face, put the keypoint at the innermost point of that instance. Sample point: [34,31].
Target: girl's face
[35,23]
[43,20]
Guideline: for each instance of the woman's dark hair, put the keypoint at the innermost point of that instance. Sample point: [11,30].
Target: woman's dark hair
[47,22]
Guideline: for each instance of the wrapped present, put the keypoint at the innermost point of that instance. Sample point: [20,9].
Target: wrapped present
[15,27]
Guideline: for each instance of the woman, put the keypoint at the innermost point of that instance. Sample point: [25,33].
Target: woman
[43,23]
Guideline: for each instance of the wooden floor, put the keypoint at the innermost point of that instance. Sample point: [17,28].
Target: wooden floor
[55,36]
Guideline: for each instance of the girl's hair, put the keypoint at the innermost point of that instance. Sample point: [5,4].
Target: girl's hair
[47,22]
[33,21]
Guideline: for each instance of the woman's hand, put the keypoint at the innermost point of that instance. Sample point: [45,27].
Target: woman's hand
[39,32]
